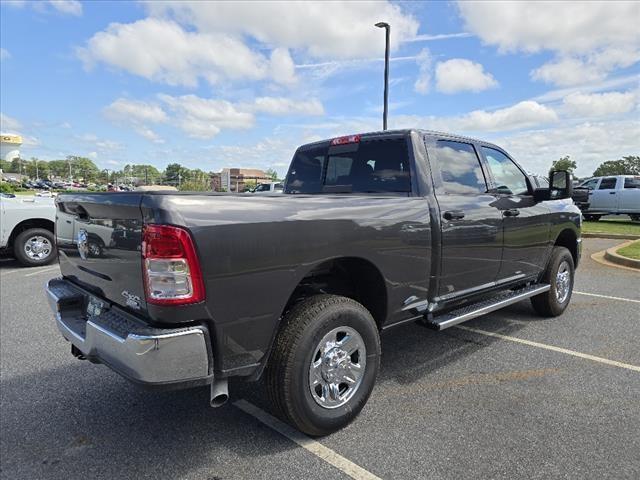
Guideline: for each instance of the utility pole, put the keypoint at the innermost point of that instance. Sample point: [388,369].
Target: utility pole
[385,111]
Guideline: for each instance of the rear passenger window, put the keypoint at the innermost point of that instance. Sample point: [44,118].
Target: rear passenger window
[460,168]
[632,182]
[607,184]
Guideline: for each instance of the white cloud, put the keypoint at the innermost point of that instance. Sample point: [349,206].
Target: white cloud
[459,75]
[600,104]
[590,39]
[568,71]
[288,106]
[9,124]
[319,29]
[204,118]
[137,114]
[588,143]
[283,70]
[424,61]
[527,114]
[67,7]
[70,7]
[162,50]
[134,110]
[521,115]
[567,27]
[4,54]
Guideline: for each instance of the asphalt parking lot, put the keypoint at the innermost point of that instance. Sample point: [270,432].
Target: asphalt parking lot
[510,395]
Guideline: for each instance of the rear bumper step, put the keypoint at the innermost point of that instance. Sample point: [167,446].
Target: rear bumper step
[468,312]
[143,354]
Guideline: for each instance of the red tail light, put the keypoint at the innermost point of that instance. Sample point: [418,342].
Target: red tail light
[170,266]
[345,140]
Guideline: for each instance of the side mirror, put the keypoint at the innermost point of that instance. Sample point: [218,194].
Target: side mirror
[560,184]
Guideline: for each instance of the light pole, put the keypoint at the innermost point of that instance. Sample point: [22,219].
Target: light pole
[385,112]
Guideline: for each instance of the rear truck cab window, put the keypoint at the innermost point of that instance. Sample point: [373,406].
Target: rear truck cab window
[360,165]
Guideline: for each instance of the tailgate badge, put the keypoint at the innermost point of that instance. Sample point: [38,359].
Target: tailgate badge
[83,244]
[132,301]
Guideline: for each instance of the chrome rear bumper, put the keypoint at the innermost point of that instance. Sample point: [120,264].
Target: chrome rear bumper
[143,354]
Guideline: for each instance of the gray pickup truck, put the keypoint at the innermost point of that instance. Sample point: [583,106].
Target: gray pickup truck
[374,230]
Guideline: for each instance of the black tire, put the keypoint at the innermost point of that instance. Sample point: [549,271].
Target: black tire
[30,261]
[548,304]
[635,218]
[592,218]
[288,372]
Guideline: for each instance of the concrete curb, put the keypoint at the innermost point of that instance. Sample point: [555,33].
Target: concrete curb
[612,256]
[612,236]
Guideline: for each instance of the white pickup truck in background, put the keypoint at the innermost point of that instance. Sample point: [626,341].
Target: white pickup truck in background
[26,228]
[613,195]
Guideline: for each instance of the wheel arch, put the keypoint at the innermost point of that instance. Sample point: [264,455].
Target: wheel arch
[353,277]
[29,224]
[568,238]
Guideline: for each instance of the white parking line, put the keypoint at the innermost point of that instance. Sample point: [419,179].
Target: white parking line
[607,296]
[319,450]
[45,270]
[586,356]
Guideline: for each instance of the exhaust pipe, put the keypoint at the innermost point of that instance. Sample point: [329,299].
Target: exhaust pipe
[219,393]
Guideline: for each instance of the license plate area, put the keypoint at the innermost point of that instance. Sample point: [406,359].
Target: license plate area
[95,306]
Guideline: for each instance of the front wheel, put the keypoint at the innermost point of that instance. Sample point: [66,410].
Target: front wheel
[324,364]
[559,274]
[635,218]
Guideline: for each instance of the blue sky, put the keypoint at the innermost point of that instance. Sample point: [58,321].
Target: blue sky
[213,85]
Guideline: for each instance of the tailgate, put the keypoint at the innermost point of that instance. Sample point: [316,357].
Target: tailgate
[99,239]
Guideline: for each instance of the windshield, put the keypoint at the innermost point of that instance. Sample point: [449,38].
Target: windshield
[372,165]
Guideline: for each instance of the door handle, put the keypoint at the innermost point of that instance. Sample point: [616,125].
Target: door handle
[512,212]
[612,193]
[454,215]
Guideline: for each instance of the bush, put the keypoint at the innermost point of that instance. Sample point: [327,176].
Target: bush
[6,187]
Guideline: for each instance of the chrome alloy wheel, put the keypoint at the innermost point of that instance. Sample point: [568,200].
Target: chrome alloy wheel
[37,248]
[337,367]
[563,282]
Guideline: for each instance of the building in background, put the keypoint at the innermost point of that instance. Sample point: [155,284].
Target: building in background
[237,179]
[10,146]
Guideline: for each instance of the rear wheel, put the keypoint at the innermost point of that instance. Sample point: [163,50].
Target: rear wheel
[592,218]
[635,218]
[324,364]
[559,274]
[35,247]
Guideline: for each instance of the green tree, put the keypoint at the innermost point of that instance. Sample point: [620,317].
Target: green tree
[16,163]
[59,168]
[564,163]
[272,174]
[629,165]
[36,168]
[83,167]
[175,174]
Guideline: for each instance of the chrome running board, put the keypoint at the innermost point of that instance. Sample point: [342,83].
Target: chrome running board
[474,310]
